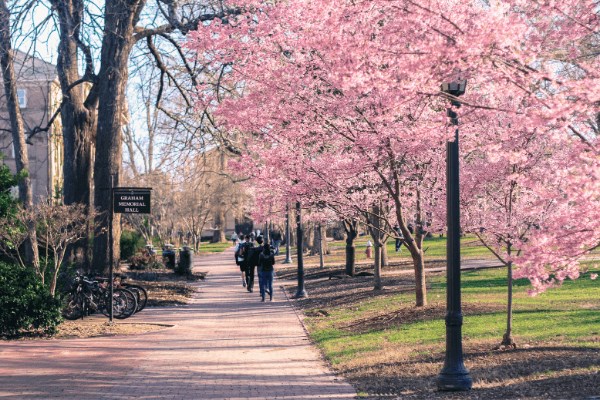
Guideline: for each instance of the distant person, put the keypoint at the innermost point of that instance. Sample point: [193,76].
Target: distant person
[399,238]
[266,261]
[276,240]
[369,249]
[252,263]
[241,251]
[234,238]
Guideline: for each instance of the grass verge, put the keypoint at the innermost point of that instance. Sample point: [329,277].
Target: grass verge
[434,247]
[384,345]
[207,247]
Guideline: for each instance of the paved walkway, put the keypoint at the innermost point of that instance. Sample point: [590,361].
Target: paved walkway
[225,345]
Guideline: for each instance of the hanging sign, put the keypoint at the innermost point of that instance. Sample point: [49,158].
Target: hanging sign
[131,200]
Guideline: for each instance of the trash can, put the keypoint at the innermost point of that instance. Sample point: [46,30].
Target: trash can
[168,255]
[184,267]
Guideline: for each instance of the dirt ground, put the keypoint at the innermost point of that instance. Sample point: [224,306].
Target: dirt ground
[94,327]
[535,370]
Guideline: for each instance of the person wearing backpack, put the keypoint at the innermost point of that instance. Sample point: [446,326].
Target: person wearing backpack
[266,261]
[253,256]
[240,255]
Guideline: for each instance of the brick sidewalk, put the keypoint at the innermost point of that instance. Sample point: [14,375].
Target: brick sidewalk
[225,345]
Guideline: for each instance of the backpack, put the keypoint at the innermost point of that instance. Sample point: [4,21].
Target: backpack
[242,251]
[253,255]
[267,261]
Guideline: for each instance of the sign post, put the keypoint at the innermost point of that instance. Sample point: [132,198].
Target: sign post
[124,200]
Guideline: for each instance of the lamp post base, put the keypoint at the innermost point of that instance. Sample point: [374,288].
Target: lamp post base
[454,382]
[287,261]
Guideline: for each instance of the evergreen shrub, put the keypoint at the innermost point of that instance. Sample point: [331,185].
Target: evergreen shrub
[26,305]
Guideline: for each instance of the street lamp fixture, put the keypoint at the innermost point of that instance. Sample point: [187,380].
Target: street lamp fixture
[454,375]
[455,88]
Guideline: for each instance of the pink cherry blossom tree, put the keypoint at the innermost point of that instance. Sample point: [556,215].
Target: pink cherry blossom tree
[341,97]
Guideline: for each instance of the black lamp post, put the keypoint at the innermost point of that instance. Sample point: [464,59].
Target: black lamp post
[454,375]
[301,293]
[288,254]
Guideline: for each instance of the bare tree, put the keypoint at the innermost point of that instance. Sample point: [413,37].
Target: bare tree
[121,32]
[58,227]
[376,227]
[13,234]
[93,109]
[18,130]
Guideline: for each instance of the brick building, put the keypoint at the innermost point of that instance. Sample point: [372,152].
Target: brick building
[39,95]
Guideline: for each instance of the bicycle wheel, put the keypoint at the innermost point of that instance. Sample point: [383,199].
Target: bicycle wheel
[130,303]
[119,303]
[74,306]
[140,293]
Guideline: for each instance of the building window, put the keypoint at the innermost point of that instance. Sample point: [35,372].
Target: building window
[22,95]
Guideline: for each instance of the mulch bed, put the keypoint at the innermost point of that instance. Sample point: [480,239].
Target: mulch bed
[96,327]
[166,288]
[536,371]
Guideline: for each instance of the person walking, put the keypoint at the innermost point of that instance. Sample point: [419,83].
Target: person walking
[234,238]
[266,262]
[399,238]
[369,249]
[276,238]
[253,257]
[240,255]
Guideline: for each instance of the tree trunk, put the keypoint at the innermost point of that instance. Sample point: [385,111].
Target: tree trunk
[197,243]
[310,239]
[421,288]
[414,244]
[219,231]
[18,132]
[350,257]
[324,240]
[121,17]
[507,339]
[292,233]
[351,233]
[78,120]
[385,261]
[374,224]
[377,270]
[319,233]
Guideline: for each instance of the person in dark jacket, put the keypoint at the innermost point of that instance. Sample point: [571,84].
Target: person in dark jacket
[399,238]
[276,239]
[266,261]
[252,263]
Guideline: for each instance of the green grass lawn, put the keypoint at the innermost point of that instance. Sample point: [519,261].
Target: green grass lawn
[434,247]
[207,247]
[570,314]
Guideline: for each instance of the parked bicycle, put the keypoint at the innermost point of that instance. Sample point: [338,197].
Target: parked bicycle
[88,296]
[138,290]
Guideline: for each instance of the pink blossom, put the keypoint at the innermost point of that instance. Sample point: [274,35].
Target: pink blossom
[338,102]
